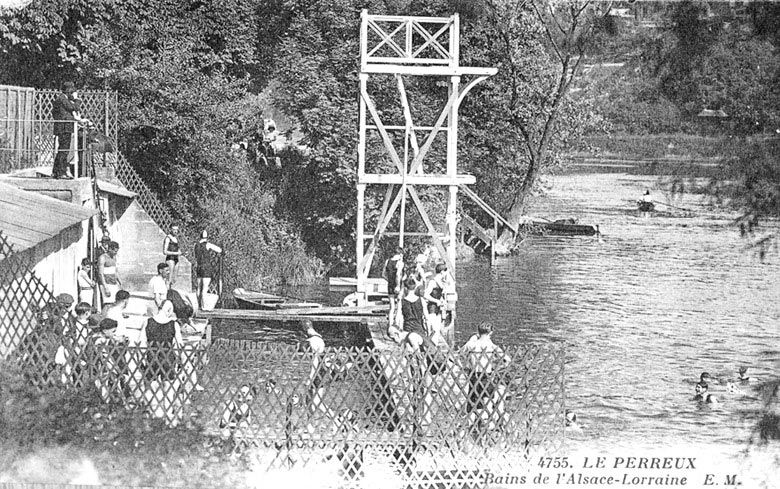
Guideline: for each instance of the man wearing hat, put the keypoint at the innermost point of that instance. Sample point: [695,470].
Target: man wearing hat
[65,318]
[65,112]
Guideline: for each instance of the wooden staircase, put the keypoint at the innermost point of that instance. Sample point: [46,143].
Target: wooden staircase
[473,234]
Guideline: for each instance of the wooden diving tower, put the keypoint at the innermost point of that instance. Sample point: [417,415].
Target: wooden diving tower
[398,47]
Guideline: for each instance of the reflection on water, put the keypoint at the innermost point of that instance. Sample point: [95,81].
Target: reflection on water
[642,310]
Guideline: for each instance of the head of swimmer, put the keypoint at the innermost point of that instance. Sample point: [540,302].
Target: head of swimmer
[485,328]
[571,417]
[308,327]
[701,388]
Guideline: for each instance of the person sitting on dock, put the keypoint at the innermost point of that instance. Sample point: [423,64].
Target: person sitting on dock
[393,273]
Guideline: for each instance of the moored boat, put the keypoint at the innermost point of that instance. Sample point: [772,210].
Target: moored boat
[248,299]
[645,206]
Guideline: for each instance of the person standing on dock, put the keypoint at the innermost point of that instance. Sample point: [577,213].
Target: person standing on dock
[435,299]
[172,253]
[206,268]
[158,285]
[486,394]
[85,283]
[393,272]
[319,373]
[108,278]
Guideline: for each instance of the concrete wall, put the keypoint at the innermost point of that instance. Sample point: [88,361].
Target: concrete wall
[141,249]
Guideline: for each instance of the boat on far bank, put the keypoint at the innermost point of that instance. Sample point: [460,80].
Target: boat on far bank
[561,227]
[645,206]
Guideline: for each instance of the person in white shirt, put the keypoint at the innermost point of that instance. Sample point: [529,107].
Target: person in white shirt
[158,285]
[85,283]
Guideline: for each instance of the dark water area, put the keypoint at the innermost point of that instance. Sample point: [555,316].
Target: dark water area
[641,310]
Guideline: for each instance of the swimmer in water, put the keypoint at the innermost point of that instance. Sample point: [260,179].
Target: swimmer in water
[571,421]
[702,395]
[744,377]
[705,378]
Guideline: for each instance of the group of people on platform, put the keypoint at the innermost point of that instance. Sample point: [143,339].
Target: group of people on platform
[105,278]
[70,341]
[418,303]
[419,320]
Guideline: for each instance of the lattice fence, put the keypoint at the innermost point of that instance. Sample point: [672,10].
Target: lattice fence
[429,419]
[148,200]
[22,296]
[99,106]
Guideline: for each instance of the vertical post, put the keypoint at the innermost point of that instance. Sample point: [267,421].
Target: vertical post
[494,241]
[361,187]
[359,251]
[452,168]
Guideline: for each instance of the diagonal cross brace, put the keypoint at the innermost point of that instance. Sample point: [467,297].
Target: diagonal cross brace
[387,38]
[431,39]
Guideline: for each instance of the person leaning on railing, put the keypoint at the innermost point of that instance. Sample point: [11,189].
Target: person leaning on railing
[66,113]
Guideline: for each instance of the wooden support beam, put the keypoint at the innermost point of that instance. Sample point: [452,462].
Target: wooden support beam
[255,315]
[440,68]
[385,137]
[425,179]
[432,230]
[363,265]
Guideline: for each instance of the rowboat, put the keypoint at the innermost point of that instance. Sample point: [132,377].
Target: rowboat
[645,206]
[374,286]
[563,227]
[248,299]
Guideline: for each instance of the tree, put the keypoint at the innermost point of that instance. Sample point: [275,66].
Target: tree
[525,111]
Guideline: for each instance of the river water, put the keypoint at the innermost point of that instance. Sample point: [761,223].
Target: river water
[641,310]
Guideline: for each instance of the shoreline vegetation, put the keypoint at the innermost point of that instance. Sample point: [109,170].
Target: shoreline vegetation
[196,85]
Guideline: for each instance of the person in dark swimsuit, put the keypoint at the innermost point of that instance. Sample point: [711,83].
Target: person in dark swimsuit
[172,252]
[163,337]
[206,268]
[393,273]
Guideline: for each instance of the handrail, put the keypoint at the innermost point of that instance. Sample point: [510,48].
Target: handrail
[485,207]
[475,228]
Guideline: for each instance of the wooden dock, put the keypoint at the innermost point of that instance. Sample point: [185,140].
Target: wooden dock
[372,314]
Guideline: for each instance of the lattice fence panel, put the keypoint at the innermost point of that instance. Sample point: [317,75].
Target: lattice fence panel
[99,106]
[148,200]
[431,419]
[22,298]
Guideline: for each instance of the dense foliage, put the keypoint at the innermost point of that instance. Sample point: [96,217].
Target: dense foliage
[189,75]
